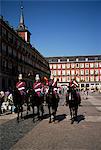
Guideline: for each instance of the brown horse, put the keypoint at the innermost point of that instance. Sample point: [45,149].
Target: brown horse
[19,100]
[73,101]
[52,100]
[37,101]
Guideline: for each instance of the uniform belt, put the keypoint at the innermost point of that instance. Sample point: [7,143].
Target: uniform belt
[37,90]
[22,88]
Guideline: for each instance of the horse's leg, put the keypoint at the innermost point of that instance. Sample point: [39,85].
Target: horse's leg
[42,111]
[18,111]
[76,110]
[27,108]
[33,113]
[54,114]
[21,111]
[38,111]
[72,117]
[49,113]
[71,112]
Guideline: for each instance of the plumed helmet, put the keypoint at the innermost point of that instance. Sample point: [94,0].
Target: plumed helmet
[20,76]
[37,77]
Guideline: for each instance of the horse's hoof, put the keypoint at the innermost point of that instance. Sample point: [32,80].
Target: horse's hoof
[72,121]
[49,121]
[17,119]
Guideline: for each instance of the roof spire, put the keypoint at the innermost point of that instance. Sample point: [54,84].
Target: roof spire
[21,23]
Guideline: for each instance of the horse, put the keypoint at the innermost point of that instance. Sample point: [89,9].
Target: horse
[72,100]
[52,100]
[37,101]
[19,100]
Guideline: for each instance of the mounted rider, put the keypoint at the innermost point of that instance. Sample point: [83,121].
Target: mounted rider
[55,85]
[38,86]
[21,85]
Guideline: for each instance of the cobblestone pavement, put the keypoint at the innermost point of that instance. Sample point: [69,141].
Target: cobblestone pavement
[61,135]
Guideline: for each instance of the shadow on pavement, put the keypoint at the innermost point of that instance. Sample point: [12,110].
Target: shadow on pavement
[80,118]
[60,117]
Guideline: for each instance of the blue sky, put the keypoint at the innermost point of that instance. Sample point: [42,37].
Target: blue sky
[59,28]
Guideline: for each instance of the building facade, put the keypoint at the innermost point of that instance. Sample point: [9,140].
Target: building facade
[85,69]
[17,55]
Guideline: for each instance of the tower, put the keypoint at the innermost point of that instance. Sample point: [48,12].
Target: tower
[22,29]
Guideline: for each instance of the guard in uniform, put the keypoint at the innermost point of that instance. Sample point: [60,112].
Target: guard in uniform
[21,85]
[38,86]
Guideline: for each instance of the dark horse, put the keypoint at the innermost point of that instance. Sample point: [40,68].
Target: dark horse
[37,101]
[19,100]
[52,100]
[73,101]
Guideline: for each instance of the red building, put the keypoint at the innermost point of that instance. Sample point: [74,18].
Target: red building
[85,69]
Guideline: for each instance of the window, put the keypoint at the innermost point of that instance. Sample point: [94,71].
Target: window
[96,78]
[72,65]
[96,72]
[100,65]
[14,53]
[59,72]
[54,66]
[72,72]
[82,85]
[91,65]
[68,65]
[54,72]
[82,78]
[86,72]
[23,58]
[77,59]
[87,79]
[82,65]
[91,72]
[68,79]
[87,65]
[59,66]
[63,72]
[96,65]
[10,38]
[78,79]
[3,31]
[9,50]
[86,59]
[3,47]
[68,72]
[59,79]
[10,65]
[19,68]
[58,60]
[92,78]
[19,56]
[50,66]
[63,66]
[77,72]
[0,31]
[77,65]
[82,72]
[63,79]
[4,63]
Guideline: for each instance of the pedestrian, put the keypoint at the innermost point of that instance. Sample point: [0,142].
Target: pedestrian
[1,101]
